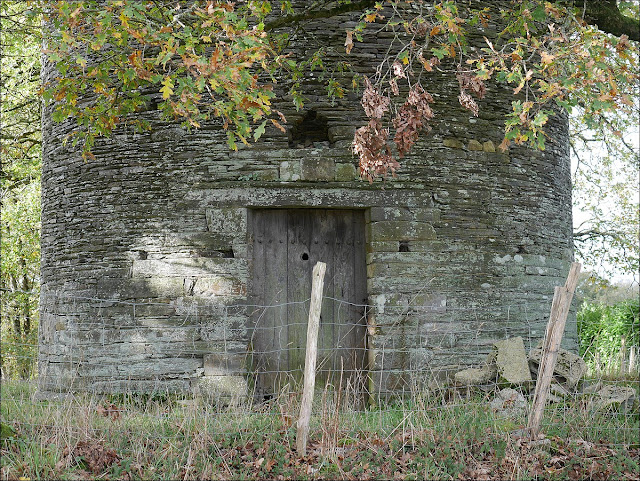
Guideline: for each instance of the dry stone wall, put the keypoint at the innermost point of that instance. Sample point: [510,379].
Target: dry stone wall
[146,253]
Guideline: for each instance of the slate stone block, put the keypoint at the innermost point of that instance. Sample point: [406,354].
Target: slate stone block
[317,168]
[218,286]
[453,143]
[475,145]
[488,146]
[187,267]
[511,361]
[401,230]
[290,170]
[346,172]
[227,220]
[569,369]
[224,364]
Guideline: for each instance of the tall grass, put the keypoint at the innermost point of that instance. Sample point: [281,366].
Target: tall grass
[436,435]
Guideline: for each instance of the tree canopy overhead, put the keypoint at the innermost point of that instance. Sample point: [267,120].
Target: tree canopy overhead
[222,59]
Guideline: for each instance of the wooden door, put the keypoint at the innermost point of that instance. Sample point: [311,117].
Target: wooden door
[287,243]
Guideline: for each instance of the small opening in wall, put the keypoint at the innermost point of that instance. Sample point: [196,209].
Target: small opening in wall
[311,128]
[142,255]
[305,257]
[227,253]
[403,246]
[154,102]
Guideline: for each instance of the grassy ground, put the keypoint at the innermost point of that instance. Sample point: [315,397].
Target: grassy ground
[426,437]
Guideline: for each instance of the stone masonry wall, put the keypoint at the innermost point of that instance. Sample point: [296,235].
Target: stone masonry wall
[466,242]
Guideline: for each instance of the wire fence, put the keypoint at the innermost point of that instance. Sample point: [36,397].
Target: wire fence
[106,345]
[102,345]
[195,374]
[84,341]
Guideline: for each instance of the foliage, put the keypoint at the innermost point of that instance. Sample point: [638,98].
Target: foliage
[593,289]
[546,52]
[204,60]
[606,180]
[20,250]
[20,186]
[603,330]
[20,107]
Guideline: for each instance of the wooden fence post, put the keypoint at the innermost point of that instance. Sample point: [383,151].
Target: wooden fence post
[311,356]
[555,328]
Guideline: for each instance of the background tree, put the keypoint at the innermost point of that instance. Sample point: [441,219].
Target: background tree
[606,195]
[20,183]
[607,169]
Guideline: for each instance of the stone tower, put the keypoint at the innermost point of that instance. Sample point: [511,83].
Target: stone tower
[170,262]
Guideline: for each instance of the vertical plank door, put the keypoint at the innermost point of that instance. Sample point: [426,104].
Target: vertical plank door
[287,243]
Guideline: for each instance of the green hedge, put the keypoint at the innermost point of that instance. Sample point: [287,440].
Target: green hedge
[602,328]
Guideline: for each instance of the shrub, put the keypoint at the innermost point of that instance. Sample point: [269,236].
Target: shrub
[603,329]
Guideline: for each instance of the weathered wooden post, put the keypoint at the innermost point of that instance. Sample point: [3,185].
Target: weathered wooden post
[553,335]
[310,360]
[623,356]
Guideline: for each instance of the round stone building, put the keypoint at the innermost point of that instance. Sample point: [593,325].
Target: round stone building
[170,262]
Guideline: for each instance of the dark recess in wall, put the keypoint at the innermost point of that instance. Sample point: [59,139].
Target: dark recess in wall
[312,128]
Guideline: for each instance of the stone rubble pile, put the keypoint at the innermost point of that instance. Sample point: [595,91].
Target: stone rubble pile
[510,367]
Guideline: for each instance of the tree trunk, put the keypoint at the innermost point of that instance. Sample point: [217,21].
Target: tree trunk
[13,308]
[26,303]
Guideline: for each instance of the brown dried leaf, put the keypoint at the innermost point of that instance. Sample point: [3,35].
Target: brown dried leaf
[420,99]
[546,58]
[349,41]
[394,86]
[370,144]
[109,410]
[270,464]
[407,124]
[281,115]
[468,81]
[419,27]
[374,104]
[517,90]
[468,103]
[278,126]
[398,70]
[96,457]
[425,63]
